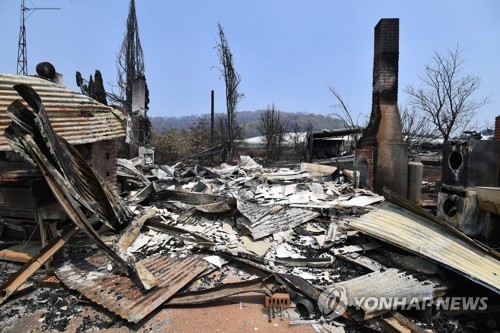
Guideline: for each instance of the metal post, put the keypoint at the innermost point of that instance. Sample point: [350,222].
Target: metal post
[212,116]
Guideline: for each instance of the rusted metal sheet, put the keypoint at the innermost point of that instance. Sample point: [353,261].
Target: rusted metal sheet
[77,118]
[73,182]
[68,162]
[489,199]
[263,221]
[17,279]
[400,227]
[390,283]
[123,295]
[27,139]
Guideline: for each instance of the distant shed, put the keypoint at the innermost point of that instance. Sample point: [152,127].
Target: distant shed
[328,143]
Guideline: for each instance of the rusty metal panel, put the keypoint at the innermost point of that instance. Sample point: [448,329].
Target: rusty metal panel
[66,161]
[70,178]
[124,295]
[77,118]
[416,234]
[388,283]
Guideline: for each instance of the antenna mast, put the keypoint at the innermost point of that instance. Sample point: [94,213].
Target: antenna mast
[22,51]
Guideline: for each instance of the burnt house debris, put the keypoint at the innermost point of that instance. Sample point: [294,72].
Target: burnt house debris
[466,166]
[87,125]
[315,246]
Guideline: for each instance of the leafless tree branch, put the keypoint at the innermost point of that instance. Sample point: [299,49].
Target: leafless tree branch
[447,97]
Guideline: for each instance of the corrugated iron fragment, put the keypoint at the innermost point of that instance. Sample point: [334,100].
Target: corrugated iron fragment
[86,186]
[400,227]
[263,221]
[77,118]
[123,295]
[73,182]
[390,284]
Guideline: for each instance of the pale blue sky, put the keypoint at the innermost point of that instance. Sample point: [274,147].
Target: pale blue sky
[286,51]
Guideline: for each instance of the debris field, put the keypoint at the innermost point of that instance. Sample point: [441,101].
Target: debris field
[291,235]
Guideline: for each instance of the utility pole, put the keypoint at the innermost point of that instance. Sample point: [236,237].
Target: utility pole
[22,50]
[212,120]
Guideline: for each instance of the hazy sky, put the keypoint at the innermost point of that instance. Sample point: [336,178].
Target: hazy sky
[287,52]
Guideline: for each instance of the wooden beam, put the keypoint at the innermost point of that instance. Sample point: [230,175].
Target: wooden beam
[23,274]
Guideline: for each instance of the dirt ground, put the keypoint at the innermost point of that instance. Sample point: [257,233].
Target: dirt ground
[234,314]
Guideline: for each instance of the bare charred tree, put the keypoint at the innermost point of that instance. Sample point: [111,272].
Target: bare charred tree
[447,96]
[81,83]
[130,61]
[342,112]
[298,139]
[99,93]
[199,135]
[232,80]
[272,126]
[489,129]
[417,128]
[308,144]
[221,134]
[130,65]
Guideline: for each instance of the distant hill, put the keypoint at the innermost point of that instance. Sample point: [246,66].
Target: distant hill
[249,120]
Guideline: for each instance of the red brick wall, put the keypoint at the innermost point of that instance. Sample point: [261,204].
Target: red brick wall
[497,128]
[101,156]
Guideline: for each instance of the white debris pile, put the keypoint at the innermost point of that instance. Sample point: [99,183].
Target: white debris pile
[282,220]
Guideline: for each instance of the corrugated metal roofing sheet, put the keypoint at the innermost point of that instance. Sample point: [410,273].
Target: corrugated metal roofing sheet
[389,283]
[77,118]
[409,231]
[263,221]
[125,296]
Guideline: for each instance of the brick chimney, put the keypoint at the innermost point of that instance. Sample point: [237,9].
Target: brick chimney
[382,155]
